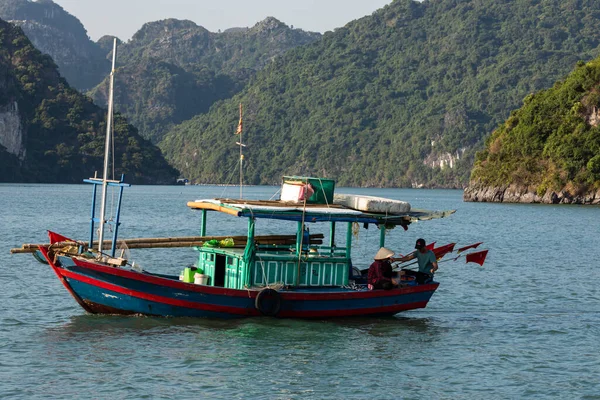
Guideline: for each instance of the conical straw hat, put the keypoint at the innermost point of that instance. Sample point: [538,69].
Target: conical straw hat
[383,253]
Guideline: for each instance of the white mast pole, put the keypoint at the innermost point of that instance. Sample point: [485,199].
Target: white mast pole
[242,145]
[109,120]
[241,166]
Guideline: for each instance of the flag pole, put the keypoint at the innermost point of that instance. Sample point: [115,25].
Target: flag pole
[242,145]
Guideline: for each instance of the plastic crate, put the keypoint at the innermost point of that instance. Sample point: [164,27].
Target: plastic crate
[324,188]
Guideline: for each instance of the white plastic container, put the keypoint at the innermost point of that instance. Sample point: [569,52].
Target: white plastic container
[371,203]
[200,279]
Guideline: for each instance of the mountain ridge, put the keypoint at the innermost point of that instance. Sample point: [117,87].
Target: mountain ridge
[389,98]
[172,70]
[51,133]
[57,33]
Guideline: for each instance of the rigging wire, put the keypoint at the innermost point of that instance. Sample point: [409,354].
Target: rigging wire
[112,189]
[301,240]
[228,180]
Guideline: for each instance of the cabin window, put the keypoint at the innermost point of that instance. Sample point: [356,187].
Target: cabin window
[229,260]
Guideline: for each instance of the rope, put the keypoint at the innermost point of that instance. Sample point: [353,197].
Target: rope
[275,194]
[355,230]
[262,266]
[301,240]
[324,194]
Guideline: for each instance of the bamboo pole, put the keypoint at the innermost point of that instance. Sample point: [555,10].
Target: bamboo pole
[188,241]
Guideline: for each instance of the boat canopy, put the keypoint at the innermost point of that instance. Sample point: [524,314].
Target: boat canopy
[291,211]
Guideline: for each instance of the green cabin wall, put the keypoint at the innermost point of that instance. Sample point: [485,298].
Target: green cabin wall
[227,266]
[236,268]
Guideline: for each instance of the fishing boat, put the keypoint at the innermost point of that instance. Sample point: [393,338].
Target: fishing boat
[285,276]
[242,274]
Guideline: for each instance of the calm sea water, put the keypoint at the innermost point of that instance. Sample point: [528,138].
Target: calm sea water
[526,325]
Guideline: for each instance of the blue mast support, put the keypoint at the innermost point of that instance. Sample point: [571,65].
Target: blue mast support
[98,182]
[92,216]
[381,235]
[117,217]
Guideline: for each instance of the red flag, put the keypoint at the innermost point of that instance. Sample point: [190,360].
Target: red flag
[430,246]
[240,125]
[471,246]
[443,250]
[55,238]
[478,257]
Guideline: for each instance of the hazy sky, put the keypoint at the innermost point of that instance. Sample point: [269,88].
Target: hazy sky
[123,18]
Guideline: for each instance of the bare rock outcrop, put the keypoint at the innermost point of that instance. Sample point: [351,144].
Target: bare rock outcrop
[522,194]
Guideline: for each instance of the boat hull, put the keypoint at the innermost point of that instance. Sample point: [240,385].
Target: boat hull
[102,289]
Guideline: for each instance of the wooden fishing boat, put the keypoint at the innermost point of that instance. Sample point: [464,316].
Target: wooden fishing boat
[302,278]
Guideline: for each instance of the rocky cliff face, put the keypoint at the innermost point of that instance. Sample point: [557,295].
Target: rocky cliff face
[11,130]
[520,194]
[444,160]
[49,132]
[57,33]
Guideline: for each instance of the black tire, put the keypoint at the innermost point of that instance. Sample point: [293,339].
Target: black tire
[268,302]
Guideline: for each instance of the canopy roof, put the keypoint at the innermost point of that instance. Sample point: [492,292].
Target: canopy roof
[311,212]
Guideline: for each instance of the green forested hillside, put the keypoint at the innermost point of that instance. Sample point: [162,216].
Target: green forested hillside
[172,70]
[552,142]
[59,34]
[59,132]
[386,99]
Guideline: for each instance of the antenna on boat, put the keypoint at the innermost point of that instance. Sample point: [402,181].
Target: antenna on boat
[242,145]
[109,120]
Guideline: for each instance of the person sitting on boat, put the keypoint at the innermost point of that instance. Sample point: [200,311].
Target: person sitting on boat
[380,274]
[426,260]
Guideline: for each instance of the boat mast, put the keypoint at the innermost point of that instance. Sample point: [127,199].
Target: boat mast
[109,120]
[242,145]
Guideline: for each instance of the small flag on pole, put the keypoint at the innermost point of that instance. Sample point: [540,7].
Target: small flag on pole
[443,250]
[471,246]
[478,257]
[56,238]
[240,125]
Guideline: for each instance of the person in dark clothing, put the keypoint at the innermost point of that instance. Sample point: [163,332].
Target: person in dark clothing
[426,260]
[380,274]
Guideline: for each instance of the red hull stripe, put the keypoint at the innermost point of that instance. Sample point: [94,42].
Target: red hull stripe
[158,299]
[61,278]
[351,295]
[243,311]
[190,287]
[315,296]
[352,312]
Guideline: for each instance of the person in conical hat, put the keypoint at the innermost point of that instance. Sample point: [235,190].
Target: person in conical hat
[381,274]
[383,253]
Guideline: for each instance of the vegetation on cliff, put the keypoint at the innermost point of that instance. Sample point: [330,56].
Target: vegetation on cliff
[172,70]
[552,142]
[383,100]
[63,131]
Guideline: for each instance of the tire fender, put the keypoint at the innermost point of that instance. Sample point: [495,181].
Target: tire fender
[268,302]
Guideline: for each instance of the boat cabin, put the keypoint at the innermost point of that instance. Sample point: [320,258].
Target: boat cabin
[299,259]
